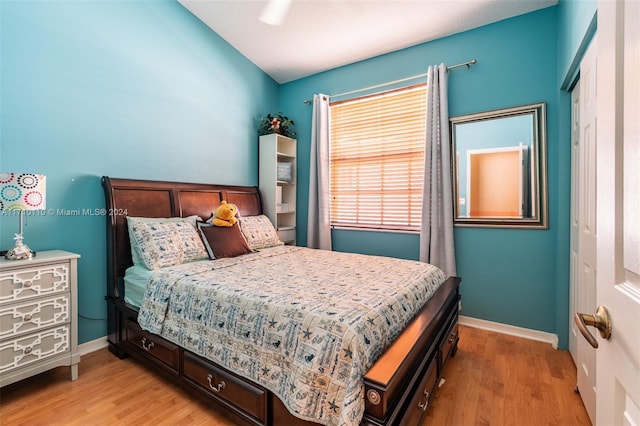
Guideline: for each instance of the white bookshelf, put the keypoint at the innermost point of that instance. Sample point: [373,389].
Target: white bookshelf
[277,183]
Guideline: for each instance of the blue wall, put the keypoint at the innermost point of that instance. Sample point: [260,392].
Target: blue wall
[577,22]
[136,89]
[509,275]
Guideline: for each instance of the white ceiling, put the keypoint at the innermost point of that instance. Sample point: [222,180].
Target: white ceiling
[318,35]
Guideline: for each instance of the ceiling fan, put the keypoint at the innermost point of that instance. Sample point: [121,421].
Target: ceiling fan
[275,12]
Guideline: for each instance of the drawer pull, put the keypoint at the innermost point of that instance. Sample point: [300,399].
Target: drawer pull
[452,338]
[28,317]
[145,346]
[217,388]
[424,405]
[28,284]
[28,350]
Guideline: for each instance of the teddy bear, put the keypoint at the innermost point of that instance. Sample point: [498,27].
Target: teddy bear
[225,214]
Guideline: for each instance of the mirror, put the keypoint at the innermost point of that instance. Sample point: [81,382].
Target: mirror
[499,167]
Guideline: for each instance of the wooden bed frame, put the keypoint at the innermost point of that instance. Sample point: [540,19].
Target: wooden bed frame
[398,386]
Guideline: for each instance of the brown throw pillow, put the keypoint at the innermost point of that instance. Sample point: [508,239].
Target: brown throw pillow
[224,241]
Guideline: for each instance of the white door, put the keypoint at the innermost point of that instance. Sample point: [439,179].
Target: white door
[618,212]
[583,222]
[574,334]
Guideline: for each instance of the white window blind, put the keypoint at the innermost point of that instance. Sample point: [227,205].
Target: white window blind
[377,160]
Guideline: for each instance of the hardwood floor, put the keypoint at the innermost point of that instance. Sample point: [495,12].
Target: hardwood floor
[494,379]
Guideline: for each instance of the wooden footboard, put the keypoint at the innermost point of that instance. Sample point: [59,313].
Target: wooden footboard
[398,387]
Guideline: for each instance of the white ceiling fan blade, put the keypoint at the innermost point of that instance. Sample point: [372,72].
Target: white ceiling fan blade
[275,12]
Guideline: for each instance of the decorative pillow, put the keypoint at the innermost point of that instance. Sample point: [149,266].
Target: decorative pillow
[223,241]
[259,232]
[133,220]
[161,244]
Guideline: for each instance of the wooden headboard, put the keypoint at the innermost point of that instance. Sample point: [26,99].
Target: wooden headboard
[143,198]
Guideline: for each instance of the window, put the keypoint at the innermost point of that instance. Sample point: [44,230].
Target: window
[377,160]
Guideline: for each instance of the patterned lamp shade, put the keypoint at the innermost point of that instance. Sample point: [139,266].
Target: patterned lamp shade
[22,191]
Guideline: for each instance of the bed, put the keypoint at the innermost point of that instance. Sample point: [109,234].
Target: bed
[397,374]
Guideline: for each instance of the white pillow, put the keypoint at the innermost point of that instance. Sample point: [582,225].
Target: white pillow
[159,242]
[259,232]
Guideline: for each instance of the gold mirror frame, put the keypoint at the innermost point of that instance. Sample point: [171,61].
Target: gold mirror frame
[476,134]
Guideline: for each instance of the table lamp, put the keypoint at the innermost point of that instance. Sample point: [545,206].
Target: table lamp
[20,192]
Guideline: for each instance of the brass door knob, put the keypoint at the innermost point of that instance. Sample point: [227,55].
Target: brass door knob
[599,320]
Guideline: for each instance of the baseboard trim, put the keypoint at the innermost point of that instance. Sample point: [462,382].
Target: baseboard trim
[93,345]
[511,330]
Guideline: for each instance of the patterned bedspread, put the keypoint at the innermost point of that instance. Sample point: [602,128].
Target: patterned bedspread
[306,324]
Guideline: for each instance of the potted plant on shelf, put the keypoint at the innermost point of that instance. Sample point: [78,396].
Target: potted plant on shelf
[276,123]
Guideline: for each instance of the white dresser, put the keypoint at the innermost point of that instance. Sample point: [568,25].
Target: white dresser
[38,315]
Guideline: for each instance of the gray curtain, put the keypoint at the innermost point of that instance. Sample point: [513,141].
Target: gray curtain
[319,227]
[436,232]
